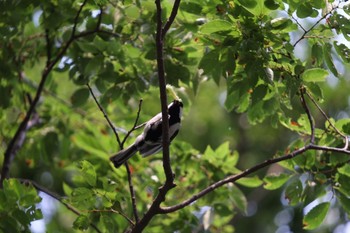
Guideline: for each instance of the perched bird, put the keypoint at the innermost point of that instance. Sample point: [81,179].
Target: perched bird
[150,141]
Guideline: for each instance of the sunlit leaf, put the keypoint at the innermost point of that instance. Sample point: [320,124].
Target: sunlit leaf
[275,181]
[315,75]
[216,26]
[315,216]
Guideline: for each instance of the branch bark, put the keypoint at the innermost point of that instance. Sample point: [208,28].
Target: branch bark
[169,182]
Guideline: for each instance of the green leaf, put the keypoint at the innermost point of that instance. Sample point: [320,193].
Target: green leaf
[250,182]
[345,202]
[293,192]
[275,181]
[315,75]
[81,223]
[89,144]
[238,198]
[306,10]
[258,8]
[327,51]
[216,26]
[345,170]
[343,51]
[223,150]
[209,61]
[88,172]
[315,216]
[80,97]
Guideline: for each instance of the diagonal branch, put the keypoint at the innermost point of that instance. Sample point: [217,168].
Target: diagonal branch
[132,193]
[135,126]
[234,178]
[314,25]
[308,113]
[171,18]
[104,114]
[328,120]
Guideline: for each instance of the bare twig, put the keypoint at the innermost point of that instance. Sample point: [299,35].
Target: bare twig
[104,114]
[307,110]
[314,25]
[48,46]
[113,211]
[328,120]
[132,193]
[171,18]
[296,20]
[135,126]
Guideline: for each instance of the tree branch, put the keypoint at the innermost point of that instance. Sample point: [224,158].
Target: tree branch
[171,18]
[313,26]
[104,114]
[233,178]
[135,126]
[328,120]
[163,97]
[307,110]
[132,193]
[169,182]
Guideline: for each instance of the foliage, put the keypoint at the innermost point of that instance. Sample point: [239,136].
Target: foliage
[271,64]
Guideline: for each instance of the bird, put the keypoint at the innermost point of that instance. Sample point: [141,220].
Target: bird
[150,140]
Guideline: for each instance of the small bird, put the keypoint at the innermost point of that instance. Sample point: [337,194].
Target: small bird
[150,141]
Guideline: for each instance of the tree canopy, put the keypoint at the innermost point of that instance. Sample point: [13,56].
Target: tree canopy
[265,132]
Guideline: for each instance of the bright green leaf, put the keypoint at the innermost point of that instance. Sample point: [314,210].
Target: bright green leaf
[315,75]
[216,26]
[88,172]
[250,182]
[315,216]
[238,198]
[345,170]
[275,181]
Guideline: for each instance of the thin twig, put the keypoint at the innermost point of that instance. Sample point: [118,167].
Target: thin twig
[135,126]
[328,120]
[77,17]
[314,25]
[104,114]
[307,110]
[58,198]
[301,26]
[48,46]
[132,193]
[171,18]
[113,211]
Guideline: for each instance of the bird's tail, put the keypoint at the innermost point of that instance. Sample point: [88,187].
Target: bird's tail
[123,155]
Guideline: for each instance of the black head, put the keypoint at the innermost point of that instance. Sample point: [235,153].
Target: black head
[175,109]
